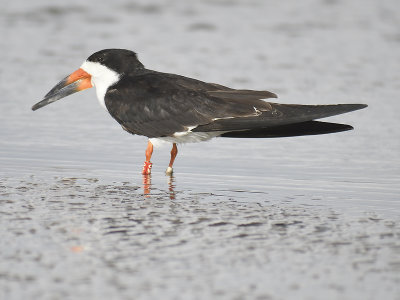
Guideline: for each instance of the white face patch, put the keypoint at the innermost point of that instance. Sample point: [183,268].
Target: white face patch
[102,78]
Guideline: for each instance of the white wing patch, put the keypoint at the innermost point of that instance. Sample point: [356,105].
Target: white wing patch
[258,112]
[186,137]
[183,133]
[215,119]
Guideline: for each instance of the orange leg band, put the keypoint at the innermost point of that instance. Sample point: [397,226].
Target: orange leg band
[147,164]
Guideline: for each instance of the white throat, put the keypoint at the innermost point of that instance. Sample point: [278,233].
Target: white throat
[102,78]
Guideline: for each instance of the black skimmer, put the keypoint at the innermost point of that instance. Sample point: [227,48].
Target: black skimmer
[179,109]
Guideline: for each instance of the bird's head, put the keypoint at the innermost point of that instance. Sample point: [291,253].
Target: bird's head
[101,70]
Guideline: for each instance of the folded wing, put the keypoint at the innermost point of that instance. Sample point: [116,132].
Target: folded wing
[158,104]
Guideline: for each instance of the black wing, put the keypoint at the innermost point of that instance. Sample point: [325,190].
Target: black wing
[296,129]
[278,115]
[158,104]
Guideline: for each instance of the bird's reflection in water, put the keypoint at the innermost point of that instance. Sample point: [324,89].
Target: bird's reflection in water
[171,186]
[147,186]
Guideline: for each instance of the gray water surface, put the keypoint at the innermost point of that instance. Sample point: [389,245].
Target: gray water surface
[297,218]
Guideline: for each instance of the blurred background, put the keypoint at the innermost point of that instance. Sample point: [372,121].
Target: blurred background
[71,158]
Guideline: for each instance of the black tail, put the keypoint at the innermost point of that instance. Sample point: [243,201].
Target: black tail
[303,128]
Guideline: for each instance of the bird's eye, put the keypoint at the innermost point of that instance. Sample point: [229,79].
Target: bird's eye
[100,59]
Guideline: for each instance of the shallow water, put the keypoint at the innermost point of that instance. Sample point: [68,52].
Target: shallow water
[308,217]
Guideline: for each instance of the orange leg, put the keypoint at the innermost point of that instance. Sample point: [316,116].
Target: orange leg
[147,164]
[174,153]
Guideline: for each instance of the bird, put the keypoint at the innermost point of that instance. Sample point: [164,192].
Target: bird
[172,108]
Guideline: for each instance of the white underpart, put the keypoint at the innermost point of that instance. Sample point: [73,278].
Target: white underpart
[102,78]
[185,137]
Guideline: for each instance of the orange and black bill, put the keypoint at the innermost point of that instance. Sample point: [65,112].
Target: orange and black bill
[77,81]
